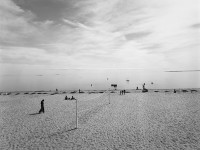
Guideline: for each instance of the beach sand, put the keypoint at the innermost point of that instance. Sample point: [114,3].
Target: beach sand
[149,121]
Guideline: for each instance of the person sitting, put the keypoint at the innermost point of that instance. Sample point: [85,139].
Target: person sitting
[72,98]
[66,98]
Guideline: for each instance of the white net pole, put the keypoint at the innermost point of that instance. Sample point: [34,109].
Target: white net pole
[76,114]
[109,96]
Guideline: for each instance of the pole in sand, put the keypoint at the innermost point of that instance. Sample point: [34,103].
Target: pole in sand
[76,114]
[109,96]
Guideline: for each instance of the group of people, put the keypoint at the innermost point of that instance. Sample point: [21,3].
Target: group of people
[122,92]
[68,98]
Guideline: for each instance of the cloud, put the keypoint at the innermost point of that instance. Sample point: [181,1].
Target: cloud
[196,26]
[183,71]
[88,31]
[24,55]
[136,35]
[77,25]
[49,9]
[14,23]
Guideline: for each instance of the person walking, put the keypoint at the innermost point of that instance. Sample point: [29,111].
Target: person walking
[42,107]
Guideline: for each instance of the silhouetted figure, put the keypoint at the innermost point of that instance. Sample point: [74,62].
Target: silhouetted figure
[137,88]
[124,92]
[79,91]
[66,98]
[143,86]
[42,107]
[56,90]
[144,89]
[174,91]
[72,98]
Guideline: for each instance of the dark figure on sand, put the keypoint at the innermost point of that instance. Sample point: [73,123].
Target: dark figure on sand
[174,91]
[144,89]
[66,98]
[72,98]
[42,107]
[122,92]
[143,86]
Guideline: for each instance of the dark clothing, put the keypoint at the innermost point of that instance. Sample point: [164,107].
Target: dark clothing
[72,98]
[42,107]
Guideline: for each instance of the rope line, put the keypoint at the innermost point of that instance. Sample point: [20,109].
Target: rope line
[85,99]
[103,98]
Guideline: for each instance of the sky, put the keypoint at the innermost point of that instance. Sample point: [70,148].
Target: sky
[71,44]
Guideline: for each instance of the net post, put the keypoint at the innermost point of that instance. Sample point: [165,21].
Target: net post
[109,96]
[76,114]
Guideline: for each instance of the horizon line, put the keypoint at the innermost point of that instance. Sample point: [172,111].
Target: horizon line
[182,71]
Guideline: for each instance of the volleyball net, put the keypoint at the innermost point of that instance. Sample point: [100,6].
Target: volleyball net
[89,103]
[70,114]
[86,107]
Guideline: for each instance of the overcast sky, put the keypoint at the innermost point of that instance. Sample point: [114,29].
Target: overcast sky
[66,44]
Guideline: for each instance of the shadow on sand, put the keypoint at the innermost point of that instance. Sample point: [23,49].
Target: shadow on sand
[35,113]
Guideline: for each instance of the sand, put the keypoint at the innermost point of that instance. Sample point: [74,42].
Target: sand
[136,120]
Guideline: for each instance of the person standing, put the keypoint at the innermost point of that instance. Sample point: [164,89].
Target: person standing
[42,107]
